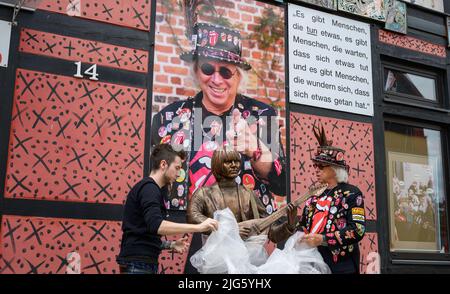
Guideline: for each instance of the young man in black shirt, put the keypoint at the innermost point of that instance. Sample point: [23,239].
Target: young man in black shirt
[144,216]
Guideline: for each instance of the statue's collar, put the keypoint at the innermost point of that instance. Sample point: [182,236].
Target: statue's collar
[227,183]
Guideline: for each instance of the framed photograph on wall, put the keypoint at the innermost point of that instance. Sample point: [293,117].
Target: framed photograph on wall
[448,31]
[413,210]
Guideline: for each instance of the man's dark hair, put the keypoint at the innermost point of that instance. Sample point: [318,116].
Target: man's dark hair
[164,152]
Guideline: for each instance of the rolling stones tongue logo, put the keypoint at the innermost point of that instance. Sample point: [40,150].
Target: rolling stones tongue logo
[213,37]
[319,219]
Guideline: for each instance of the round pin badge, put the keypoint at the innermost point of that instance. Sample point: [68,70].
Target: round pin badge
[180,190]
[175,202]
[169,127]
[186,143]
[175,126]
[333,209]
[211,146]
[166,139]
[162,131]
[181,176]
[248,181]
[269,209]
[178,137]
[184,115]
[265,199]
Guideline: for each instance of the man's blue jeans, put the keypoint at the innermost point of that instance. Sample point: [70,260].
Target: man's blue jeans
[137,267]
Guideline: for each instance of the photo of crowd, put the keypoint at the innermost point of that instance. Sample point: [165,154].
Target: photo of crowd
[414,200]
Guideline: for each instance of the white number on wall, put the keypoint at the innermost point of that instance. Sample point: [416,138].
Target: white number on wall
[91,71]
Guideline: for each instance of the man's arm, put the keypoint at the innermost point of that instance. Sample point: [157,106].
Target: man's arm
[155,221]
[171,228]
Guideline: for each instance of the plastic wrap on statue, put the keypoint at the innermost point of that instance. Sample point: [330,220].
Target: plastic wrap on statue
[223,248]
[295,258]
[225,252]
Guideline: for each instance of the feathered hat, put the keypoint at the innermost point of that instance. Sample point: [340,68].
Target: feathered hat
[327,154]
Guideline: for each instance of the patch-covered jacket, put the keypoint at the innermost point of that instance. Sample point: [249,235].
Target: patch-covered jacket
[175,125]
[339,215]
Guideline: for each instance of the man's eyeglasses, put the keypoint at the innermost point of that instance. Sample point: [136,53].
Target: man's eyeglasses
[208,69]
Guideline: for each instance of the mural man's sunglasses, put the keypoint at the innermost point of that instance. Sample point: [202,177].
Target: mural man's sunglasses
[209,69]
[319,166]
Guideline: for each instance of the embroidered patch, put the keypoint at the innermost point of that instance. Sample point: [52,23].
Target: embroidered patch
[357,217]
[169,115]
[349,235]
[359,201]
[358,210]
[360,229]
[338,236]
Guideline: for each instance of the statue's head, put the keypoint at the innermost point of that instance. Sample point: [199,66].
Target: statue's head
[225,164]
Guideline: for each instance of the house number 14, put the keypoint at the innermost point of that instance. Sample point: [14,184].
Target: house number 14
[92,71]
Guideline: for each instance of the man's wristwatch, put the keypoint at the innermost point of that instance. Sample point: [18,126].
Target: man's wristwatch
[168,244]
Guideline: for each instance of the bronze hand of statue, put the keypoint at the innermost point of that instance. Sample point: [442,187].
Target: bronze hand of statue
[244,232]
[292,216]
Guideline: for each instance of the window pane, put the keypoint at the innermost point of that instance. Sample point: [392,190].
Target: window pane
[409,84]
[417,198]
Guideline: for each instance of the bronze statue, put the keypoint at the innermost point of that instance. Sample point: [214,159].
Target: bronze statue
[225,165]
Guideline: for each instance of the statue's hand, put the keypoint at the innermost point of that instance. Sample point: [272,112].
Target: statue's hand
[244,232]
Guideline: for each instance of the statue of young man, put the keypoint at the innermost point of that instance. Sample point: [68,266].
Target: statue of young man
[226,165]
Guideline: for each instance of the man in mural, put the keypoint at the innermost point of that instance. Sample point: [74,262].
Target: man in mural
[335,220]
[145,212]
[241,200]
[218,114]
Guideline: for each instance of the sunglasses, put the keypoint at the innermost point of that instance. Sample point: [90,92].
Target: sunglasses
[319,166]
[208,69]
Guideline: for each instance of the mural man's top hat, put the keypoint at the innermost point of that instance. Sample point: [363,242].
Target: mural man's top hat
[327,154]
[216,43]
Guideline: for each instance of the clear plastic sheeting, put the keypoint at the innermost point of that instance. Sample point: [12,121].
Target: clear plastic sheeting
[224,247]
[224,252]
[295,258]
